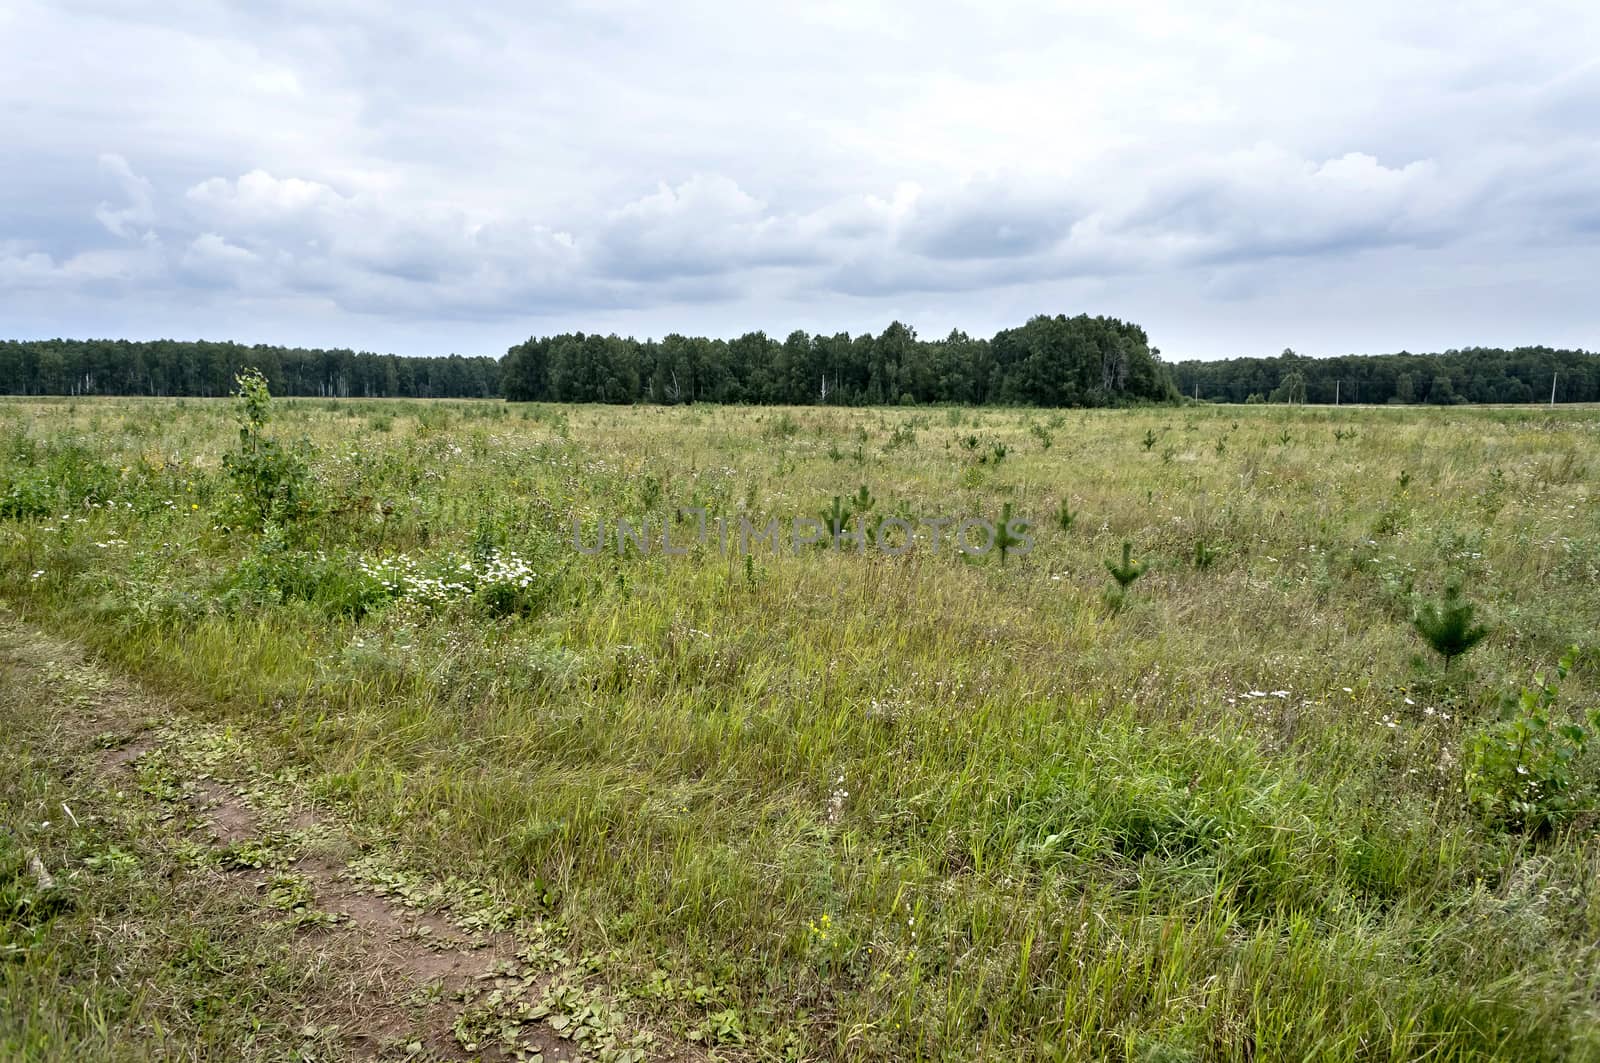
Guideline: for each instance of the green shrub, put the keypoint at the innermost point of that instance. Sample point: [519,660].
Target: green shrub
[25,495]
[275,574]
[271,480]
[46,479]
[1520,770]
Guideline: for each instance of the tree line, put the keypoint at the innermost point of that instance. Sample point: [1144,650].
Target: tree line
[1476,374]
[1050,361]
[204,368]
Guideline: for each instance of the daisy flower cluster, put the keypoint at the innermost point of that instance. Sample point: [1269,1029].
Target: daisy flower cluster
[405,577]
[453,579]
[506,570]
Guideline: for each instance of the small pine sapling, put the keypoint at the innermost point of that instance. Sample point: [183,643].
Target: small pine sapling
[1004,539]
[1130,569]
[1448,625]
[835,518]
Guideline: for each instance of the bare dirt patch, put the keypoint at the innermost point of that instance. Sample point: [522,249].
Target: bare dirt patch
[417,966]
[232,821]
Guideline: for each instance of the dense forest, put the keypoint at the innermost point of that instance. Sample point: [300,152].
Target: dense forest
[1477,374]
[201,368]
[1050,361]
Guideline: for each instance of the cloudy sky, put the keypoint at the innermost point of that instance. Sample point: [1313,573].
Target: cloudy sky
[1236,177]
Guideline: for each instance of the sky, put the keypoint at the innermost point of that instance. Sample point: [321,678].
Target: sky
[426,179]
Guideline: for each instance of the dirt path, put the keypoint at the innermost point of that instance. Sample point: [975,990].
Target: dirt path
[407,965]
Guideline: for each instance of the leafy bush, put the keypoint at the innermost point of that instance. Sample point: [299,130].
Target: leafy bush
[271,479]
[274,574]
[43,479]
[1520,770]
[25,495]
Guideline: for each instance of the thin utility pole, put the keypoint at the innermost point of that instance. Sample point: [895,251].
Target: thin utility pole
[1553,388]
[1336,393]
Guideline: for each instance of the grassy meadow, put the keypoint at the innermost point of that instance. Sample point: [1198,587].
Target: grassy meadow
[845,805]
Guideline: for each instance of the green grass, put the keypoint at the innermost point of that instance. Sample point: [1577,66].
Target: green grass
[918,807]
[128,950]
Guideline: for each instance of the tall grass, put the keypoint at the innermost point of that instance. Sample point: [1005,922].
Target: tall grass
[921,807]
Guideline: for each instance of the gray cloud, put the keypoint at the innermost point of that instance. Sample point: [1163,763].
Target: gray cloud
[409,177]
[991,219]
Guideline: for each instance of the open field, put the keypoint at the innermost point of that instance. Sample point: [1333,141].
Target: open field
[811,804]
